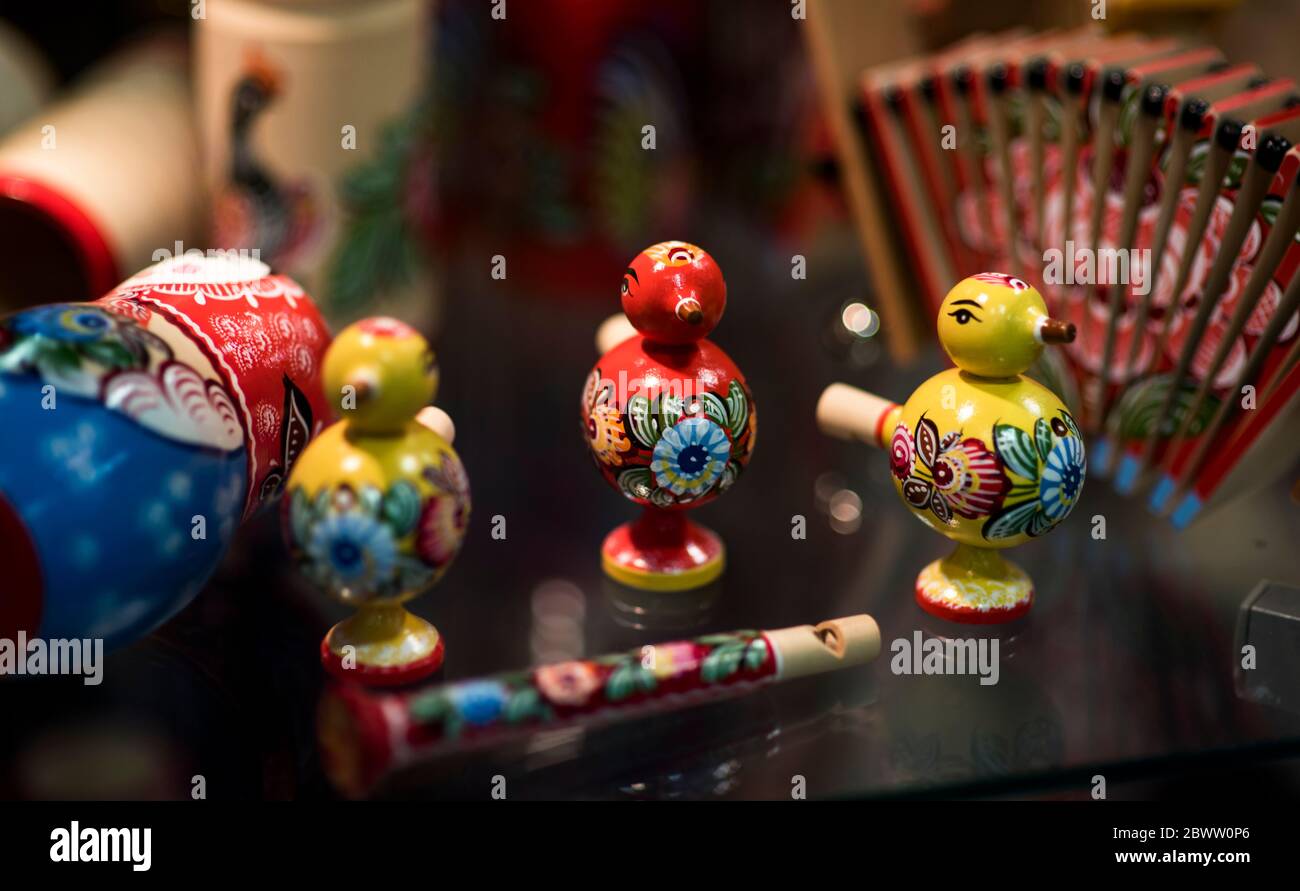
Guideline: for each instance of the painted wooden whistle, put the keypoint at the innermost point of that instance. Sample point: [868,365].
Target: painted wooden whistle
[365,735]
[979,453]
[668,418]
[376,509]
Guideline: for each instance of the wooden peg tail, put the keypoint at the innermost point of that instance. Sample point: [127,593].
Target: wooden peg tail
[612,332]
[849,413]
[438,421]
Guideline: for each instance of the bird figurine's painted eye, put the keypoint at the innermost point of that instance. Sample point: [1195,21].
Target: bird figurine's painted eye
[962,316]
[673,292]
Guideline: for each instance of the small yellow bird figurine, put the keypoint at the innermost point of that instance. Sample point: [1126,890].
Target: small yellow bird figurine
[980,453]
[376,507]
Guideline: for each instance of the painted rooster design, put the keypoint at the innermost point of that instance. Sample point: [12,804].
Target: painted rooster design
[255,209]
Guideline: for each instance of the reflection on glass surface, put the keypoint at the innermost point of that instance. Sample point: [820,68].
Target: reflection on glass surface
[1127,656]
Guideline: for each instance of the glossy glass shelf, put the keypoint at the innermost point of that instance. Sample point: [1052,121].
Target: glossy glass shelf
[1127,657]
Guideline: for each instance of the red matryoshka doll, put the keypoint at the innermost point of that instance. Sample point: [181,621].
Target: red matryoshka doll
[669,419]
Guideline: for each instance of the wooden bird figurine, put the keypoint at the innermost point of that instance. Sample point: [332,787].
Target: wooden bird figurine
[376,507]
[980,453]
[668,419]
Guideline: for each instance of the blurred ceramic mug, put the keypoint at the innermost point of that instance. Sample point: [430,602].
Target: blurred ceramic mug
[27,78]
[314,146]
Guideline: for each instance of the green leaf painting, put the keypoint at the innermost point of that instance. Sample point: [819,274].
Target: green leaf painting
[1042,438]
[713,409]
[636,482]
[1139,406]
[737,409]
[1196,161]
[1016,450]
[643,423]
[107,352]
[1236,171]
[630,678]
[670,410]
[300,515]
[525,704]
[723,662]
[1012,521]
[401,507]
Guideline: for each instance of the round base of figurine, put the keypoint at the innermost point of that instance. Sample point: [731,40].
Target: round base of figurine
[663,551]
[974,586]
[388,647]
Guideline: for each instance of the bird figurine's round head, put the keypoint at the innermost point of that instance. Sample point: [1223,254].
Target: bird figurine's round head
[673,293]
[995,325]
[383,372]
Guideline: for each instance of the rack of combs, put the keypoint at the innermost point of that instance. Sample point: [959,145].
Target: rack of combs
[1148,187]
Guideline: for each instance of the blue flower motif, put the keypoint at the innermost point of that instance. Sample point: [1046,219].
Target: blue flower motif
[689,457]
[478,702]
[71,323]
[352,551]
[1061,479]
[1052,459]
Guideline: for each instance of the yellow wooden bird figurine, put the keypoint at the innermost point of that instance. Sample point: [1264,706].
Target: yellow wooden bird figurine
[376,507]
[980,453]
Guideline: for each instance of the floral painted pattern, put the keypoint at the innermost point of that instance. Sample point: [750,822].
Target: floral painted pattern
[556,692]
[445,516]
[1062,479]
[1052,464]
[88,351]
[1027,485]
[690,457]
[352,550]
[948,476]
[76,345]
[664,449]
[567,683]
[479,703]
[363,543]
[605,430]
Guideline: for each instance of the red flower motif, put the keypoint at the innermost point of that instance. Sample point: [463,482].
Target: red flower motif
[901,454]
[568,684]
[948,476]
[441,528]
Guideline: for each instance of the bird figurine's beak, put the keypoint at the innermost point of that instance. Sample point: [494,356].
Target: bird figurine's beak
[1056,331]
[690,311]
[364,382]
